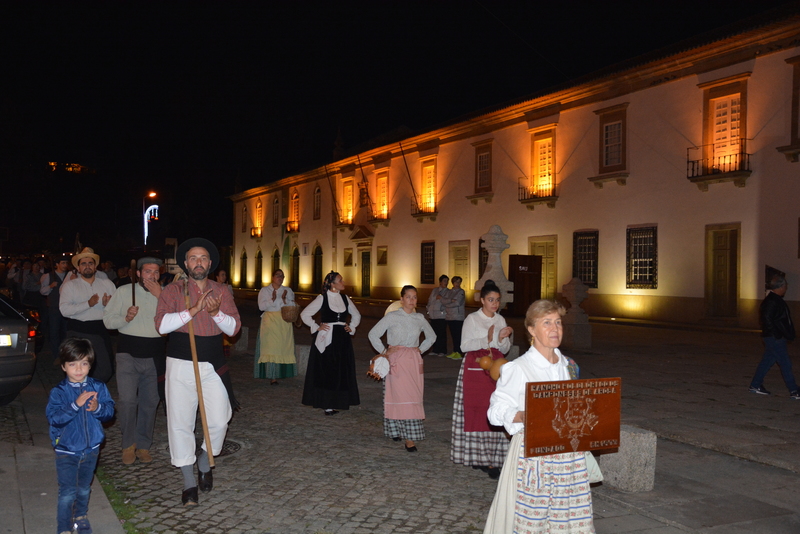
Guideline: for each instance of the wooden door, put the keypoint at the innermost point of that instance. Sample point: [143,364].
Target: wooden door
[459,262]
[723,276]
[366,272]
[526,273]
[546,248]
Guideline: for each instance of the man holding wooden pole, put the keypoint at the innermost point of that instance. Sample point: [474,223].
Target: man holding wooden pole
[196,312]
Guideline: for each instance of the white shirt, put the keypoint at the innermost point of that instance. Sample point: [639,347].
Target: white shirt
[335,304]
[402,329]
[75,295]
[509,395]
[265,302]
[475,334]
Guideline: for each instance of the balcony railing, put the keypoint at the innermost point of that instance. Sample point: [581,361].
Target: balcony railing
[255,232]
[541,193]
[424,206]
[292,227]
[379,216]
[730,163]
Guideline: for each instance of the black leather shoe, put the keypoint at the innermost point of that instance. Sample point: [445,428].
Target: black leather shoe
[205,481]
[396,438]
[411,449]
[189,497]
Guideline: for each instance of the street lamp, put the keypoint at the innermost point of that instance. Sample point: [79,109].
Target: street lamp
[147,214]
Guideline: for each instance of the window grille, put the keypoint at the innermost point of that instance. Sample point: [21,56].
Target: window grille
[584,257]
[427,267]
[642,261]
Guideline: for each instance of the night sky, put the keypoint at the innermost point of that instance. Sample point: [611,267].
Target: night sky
[196,101]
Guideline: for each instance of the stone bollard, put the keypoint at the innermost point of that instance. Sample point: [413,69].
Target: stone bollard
[633,468]
[301,353]
[241,342]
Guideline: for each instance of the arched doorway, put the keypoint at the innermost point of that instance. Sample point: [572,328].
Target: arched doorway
[295,270]
[317,269]
[276,262]
[243,269]
[259,267]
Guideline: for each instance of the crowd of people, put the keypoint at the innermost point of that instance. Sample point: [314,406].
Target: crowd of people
[171,342]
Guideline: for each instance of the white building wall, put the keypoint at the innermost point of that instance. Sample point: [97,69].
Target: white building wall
[663,121]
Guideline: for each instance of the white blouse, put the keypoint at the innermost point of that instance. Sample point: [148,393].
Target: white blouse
[265,296]
[474,335]
[509,395]
[402,329]
[335,303]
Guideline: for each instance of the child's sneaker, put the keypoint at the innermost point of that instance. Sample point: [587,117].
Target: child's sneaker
[83,526]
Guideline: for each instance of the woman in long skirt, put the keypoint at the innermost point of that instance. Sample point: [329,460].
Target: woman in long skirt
[541,494]
[403,413]
[474,441]
[331,374]
[274,356]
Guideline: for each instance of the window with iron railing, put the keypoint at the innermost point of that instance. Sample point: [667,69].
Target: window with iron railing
[584,256]
[642,260]
[427,265]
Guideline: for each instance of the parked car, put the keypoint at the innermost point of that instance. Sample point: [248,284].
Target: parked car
[17,356]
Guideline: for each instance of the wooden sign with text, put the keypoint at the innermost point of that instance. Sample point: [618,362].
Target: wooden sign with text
[572,415]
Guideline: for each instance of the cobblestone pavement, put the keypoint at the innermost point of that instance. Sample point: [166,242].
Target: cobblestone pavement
[296,470]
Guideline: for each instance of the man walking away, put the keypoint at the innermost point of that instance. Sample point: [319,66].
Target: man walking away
[776,330]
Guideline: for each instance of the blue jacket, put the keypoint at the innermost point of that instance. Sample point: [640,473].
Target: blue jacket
[73,428]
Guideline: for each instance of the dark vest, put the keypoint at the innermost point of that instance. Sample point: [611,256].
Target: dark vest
[326,315]
[55,295]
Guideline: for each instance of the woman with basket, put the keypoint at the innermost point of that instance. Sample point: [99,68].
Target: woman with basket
[274,356]
[331,374]
[474,441]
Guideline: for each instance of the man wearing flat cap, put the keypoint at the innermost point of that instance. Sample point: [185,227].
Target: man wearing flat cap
[82,302]
[140,353]
[212,313]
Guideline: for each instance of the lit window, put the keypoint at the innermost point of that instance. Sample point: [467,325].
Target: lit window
[584,257]
[244,218]
[382,206]
[428,203]
[276,212]
[727,122]
[642,260]
[259,212]
[295,207]
[612,144]
[347,203]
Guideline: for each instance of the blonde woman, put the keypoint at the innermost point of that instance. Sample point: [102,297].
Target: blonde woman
[528,499]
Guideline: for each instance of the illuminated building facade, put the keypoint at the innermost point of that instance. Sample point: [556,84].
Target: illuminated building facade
[666,184]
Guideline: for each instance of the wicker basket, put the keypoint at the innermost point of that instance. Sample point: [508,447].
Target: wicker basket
[290,313]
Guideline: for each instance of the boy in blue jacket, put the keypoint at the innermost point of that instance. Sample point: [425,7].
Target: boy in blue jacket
[77,406]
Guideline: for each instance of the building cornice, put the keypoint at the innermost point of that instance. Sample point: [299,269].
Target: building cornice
[599,87]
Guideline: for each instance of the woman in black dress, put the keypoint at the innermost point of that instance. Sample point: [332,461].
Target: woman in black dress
[331,374]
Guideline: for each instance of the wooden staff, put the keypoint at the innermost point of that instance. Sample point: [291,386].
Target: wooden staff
[133,282]
[196,365]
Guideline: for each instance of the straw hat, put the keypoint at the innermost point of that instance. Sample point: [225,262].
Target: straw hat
[85,253]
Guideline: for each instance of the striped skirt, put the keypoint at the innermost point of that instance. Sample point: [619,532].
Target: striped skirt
[543,494]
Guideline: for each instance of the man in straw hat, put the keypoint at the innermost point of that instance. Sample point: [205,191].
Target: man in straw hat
[82,302]
[140,352]
[211,313]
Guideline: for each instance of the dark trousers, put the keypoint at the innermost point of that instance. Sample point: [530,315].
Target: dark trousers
[75,473]
[775,351]
[440,329]
[455,334]
[57,331]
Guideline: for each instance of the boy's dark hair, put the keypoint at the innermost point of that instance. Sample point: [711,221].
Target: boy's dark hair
[74,349]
